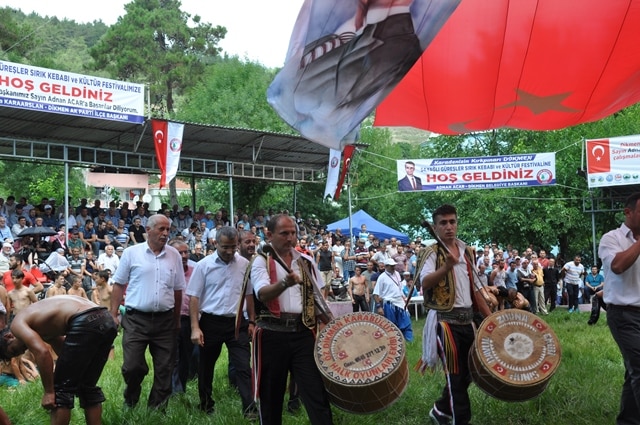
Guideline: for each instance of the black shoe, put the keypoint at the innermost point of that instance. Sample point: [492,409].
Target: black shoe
[590,323]
[293,405]
[439,418]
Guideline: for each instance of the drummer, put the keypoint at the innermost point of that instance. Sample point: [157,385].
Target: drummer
[284,338]
[445,279]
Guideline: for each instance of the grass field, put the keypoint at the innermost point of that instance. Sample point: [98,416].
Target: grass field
[584,390]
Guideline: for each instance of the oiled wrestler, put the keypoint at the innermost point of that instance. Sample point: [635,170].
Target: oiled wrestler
[81,334]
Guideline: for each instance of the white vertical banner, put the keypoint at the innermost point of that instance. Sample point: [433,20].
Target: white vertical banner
[333,173]
[174,136]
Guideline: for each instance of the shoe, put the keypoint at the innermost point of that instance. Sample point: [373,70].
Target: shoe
[439,418]
[571,310]
[590,323]
[293,405]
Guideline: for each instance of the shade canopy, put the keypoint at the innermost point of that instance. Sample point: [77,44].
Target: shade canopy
[379,230]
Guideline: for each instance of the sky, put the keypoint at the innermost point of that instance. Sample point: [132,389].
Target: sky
[256,29]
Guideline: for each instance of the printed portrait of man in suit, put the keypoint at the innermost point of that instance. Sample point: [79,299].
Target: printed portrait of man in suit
[409,182]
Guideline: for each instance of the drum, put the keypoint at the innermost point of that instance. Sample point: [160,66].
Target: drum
[514,355]
[361,357]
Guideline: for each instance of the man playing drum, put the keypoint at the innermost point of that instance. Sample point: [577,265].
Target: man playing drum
[284,339]
[451,289]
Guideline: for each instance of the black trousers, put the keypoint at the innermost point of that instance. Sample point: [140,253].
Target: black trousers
[281,352]
[454,400]
[624,324]
[360,303]
[573,290]
[184,356]
[218,330]
[550,294]
[158,332]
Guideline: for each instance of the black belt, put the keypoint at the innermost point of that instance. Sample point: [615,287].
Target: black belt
[133,311]
[287,322]
[457,316]
[632,308]
[216,316]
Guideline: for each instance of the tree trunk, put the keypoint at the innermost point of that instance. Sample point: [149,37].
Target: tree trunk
[173,193]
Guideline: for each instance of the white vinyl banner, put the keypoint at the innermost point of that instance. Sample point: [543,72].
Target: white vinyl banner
[613,161]
[41,89]
[487,172]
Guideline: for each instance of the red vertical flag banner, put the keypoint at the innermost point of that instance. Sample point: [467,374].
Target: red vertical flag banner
[598,156]
[167,139]
[347,153]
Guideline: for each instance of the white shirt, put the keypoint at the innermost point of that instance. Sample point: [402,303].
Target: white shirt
[109,263]
[460,274]
[623,288]
[291,299]
[218,285]
[152,279]
[389,288]
[573,273]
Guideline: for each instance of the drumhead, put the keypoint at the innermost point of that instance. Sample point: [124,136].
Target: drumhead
[359,349]
[517,348]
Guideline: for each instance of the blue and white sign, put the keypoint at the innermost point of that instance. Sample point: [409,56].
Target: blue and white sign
[41,89]
[488,172]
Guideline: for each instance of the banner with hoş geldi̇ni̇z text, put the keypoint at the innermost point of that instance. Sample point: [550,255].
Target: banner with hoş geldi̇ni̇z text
[48,90]
[490,172]
[613,161]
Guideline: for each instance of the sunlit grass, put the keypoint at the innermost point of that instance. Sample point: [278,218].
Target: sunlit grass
[584,390]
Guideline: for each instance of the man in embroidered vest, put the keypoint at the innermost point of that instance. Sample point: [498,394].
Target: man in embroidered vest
[284,338]
[451,289]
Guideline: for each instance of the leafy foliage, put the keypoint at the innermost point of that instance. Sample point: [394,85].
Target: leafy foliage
[36,181]
[154,43]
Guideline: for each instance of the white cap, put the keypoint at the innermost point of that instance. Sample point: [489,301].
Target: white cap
[389,262]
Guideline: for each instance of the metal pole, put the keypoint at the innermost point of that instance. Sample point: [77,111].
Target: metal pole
[593,230]
[350,221]
[66,193]
[231,210]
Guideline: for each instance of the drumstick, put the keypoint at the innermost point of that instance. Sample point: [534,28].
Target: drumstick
[478,285]
[320,302]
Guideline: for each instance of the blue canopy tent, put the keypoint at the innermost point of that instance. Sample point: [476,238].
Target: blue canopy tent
[374,227]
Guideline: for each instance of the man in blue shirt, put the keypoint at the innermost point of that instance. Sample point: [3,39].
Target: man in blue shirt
[593,286]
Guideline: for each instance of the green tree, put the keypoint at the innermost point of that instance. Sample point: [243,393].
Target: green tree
[157,43]
[233,93]
[16,39]
[35,181]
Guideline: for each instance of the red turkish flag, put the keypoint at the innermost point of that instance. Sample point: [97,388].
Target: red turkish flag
[598,156]
[347,153]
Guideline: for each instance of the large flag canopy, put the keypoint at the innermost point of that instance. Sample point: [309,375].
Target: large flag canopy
[528,64]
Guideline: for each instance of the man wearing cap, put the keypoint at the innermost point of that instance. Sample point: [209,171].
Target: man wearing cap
[390,301]
[49,219]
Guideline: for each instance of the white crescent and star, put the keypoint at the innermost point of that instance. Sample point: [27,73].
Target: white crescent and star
[159,136]
[597,148]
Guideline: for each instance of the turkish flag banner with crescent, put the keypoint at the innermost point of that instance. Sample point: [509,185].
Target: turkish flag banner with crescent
[613,161]
[598,157]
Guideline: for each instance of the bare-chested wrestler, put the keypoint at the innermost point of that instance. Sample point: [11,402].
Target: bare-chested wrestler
[101,294]
[358,291]
[81,333]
